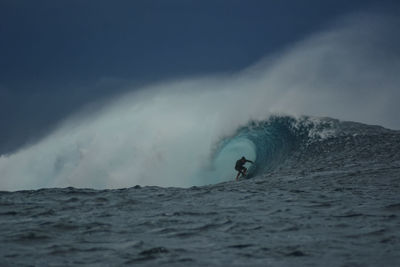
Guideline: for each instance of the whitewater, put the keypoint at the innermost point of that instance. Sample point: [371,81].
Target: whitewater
[148,177]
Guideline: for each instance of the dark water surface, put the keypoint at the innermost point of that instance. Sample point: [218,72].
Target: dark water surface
[334,202]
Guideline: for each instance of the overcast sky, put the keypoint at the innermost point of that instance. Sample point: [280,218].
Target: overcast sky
[57,56]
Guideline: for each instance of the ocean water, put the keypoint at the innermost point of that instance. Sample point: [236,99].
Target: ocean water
[322,192]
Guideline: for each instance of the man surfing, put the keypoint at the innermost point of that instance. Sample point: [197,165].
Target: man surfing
[240,168]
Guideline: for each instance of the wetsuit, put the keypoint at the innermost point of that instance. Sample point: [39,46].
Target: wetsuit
[239,165]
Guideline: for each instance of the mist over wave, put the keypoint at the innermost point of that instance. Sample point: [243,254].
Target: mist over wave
[167,134]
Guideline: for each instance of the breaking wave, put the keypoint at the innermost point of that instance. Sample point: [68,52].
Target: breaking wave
[191,132]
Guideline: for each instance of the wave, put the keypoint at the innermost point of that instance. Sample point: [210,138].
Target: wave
[191,132]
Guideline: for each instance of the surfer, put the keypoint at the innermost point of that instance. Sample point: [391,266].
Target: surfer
[240,168]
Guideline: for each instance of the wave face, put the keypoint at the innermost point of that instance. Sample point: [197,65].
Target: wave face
[269,143]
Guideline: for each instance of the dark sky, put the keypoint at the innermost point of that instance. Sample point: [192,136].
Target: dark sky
[56,56]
